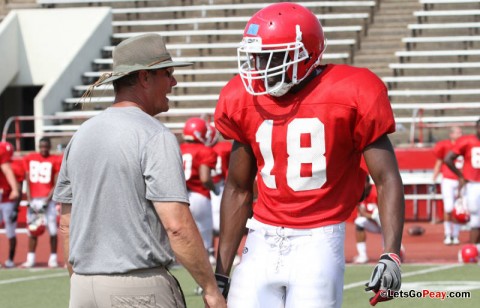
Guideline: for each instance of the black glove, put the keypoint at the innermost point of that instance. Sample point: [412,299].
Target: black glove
[14,215]
[223,283]
[386,276]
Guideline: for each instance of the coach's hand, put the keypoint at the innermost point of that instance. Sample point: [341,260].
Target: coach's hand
[223,283]
[386,276]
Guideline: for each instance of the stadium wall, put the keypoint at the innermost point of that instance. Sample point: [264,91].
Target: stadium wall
[51,48]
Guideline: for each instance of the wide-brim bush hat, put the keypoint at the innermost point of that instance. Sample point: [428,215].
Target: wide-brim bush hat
[142,52]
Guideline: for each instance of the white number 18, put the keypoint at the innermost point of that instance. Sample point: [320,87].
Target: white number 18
[297,155]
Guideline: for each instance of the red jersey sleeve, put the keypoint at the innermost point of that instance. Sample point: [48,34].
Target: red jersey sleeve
[5,154]
[223,113]
[375,116]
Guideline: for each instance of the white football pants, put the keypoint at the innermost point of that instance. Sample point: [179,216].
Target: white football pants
[283,267]
[201,210]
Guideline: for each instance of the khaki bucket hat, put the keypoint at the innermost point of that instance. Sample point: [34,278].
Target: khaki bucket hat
[143,52]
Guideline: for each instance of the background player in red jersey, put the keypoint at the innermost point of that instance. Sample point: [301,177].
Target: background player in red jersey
[9,195]
[469,177]
[449,184]
[368,219]
[41,172]
[219,174]
[198,163]
[303,128]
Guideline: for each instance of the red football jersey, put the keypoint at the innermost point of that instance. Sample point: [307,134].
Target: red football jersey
[41,173]
[440,150]
[5,157]
[469,148]
[370,203]
[194,155]
[308,145]
[222,149]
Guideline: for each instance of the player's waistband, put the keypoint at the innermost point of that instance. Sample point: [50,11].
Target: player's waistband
[256,225]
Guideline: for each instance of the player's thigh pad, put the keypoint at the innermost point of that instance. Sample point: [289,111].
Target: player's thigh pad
[6,209]
[449,192]
[473,203]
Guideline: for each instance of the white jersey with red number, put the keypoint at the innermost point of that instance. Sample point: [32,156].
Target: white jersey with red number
[41,173]
[440,150]
[469,148]
[194,155]
[223,149]
[5,157]
[308,145]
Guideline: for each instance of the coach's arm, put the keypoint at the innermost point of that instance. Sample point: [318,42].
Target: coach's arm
[66,209]
[187,244]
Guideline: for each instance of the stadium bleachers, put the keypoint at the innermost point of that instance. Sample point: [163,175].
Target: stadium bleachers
[436,61]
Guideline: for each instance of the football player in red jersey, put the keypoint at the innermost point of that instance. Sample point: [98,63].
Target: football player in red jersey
[469,147]
[9,195]
[303,127]
[449,184]
[198,163]
[41,172]
[219,174]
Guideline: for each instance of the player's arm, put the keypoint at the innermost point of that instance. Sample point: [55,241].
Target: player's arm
[236,205]
[436,169]
[12,181]
[383,168]
[450,162]
[66,209]
[205,174]
[187,245]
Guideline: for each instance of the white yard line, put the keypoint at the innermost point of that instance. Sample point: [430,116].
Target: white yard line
[32,278]
[409,274]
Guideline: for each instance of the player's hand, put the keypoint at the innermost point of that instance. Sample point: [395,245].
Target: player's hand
[14,195]
[386,276]
[432,188]
[223,283]
[376,216]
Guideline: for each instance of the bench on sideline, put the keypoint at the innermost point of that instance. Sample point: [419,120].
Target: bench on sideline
[429,4]
[462,54]
[436,106]
[467,40]
[449,79]
[203,9]
[443,93]
[473,27]
[53,3]
[422,16]
[117,37]
[195,22]
[458,66]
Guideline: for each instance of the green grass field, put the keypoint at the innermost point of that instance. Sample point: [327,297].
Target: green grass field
[47,288]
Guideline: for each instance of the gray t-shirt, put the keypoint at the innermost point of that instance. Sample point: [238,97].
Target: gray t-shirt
[116,164]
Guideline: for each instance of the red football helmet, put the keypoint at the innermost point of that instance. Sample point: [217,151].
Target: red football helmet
[212,136]
[36,226]
[460,212]
[468,254]
[281,40]
[7,147]
[196,129]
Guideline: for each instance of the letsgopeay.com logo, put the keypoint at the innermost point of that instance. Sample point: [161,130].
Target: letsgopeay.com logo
[425,293]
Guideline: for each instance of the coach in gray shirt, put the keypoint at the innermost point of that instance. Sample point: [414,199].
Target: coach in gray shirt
[124,202]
